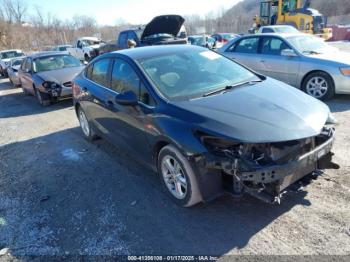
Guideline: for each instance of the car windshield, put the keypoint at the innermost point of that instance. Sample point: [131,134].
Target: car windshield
[49,63]
[308,44]
[11,54]
[194,73]
[16,62]
[286,29]
[228,36]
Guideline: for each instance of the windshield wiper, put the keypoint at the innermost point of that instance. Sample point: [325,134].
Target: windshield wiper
[228,87]
[311,52]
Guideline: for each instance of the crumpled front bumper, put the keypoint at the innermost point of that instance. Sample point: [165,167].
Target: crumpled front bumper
[278,177]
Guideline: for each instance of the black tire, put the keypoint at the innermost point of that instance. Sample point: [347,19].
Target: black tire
[42,101]
[86,58]
[192,195]
[329,85]
[89,133]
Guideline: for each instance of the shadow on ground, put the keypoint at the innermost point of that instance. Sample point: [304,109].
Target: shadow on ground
[339,103]
[17,104]
[64,194]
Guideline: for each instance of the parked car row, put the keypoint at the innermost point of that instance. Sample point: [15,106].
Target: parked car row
[300,60]
[208,122]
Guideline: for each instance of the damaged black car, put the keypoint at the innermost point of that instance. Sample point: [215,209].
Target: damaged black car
[205,123]
[48,76]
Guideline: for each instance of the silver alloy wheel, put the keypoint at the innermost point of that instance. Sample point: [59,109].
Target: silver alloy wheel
[317,87]
[84,123]
[174,177]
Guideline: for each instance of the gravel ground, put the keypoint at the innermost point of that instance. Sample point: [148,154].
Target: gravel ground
[61,195]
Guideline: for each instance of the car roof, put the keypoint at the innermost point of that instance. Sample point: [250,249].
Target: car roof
[149,51]
[282,35]
[276,26]
[89,38]
[46,53]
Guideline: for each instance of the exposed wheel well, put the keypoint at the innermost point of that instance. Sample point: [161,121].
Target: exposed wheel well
[157,148]
[76,106]
[311,72]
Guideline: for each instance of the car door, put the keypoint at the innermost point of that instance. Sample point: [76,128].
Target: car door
[97,95]
[128,123]
[273,64]
[25,75]
[245,51]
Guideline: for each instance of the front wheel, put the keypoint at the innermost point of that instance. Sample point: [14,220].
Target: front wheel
[178,177]
[320,85]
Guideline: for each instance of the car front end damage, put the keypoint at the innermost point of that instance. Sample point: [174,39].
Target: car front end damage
[265,170]
[56,92]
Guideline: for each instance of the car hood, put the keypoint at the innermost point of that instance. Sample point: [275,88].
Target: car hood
[338,57]
[94,46]
[270,111]
[164,24]
[60,76]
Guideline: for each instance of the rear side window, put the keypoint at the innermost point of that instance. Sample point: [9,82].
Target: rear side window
[247,45]
[273,46]
[99,72]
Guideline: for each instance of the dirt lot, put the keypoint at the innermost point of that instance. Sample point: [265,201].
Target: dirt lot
[61,195]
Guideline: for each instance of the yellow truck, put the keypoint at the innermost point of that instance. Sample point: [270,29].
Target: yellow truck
[296,13]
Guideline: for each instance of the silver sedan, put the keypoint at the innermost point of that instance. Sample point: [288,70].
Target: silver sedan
[301,60]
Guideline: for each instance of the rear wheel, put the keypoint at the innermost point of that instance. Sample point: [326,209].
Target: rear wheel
[85,125]
[177,177]
[320,85]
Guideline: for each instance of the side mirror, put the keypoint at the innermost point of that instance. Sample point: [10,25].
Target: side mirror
[127,98]
[288,53]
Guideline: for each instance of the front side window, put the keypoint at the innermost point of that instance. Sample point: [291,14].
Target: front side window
[11,54]
[273,46]
[28,65]
[193,73]
[124,78]
[122,38]
[247,45]
[99,73]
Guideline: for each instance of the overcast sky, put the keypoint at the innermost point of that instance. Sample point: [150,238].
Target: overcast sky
[134,11]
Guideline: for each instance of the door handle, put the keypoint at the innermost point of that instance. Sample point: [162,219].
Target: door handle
[262,61]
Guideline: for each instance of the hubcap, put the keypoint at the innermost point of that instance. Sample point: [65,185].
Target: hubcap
[174,177]
[84,123]
[317,87]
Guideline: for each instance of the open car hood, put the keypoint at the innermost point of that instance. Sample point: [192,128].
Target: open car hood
[164,24]
[270,111]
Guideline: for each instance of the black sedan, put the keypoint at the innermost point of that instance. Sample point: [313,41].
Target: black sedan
[207,124]
[49,75]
